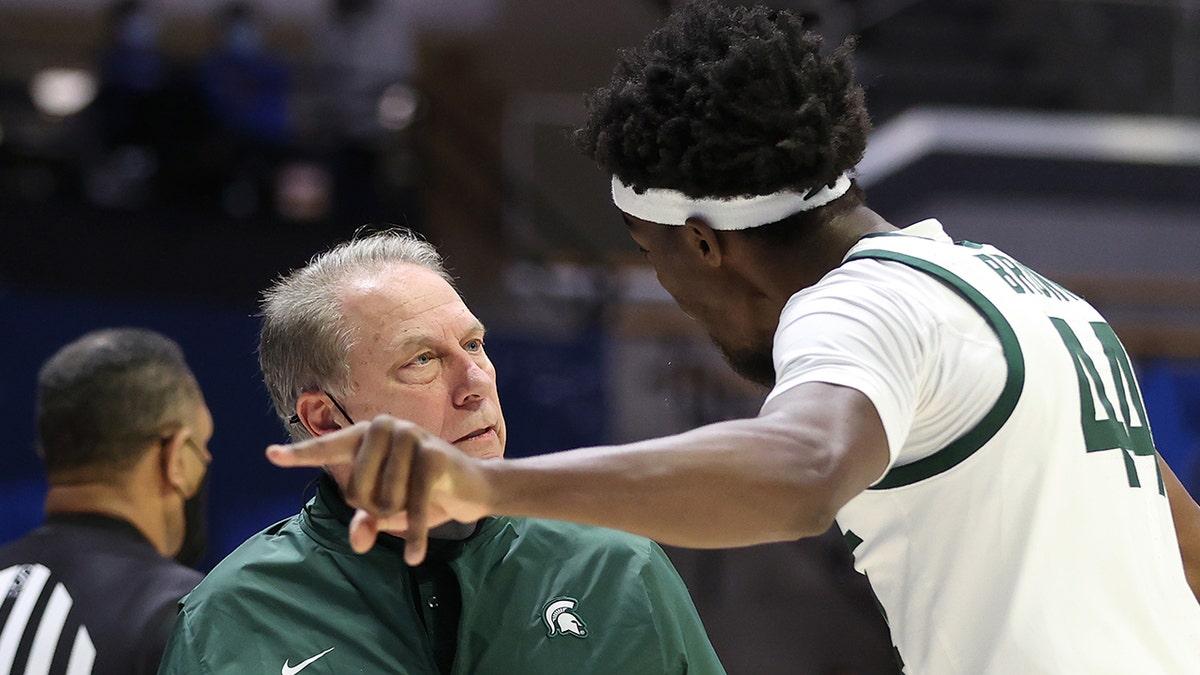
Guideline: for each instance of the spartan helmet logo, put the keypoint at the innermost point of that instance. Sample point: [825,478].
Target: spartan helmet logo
[561,619]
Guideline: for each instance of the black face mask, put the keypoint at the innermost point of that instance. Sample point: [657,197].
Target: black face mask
[195,526]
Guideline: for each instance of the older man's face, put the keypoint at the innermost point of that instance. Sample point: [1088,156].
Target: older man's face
[419,356]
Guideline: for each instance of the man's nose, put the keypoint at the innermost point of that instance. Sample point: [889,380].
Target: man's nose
[474,381]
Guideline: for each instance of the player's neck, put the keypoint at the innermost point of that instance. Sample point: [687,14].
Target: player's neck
[848,228]
[807,263]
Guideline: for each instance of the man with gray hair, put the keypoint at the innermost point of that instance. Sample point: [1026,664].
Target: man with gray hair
[375,327]
[123,431]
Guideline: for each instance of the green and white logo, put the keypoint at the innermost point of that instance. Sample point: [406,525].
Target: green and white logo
[561,618]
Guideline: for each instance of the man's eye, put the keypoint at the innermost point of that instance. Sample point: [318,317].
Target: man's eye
[422,359]
[475,345]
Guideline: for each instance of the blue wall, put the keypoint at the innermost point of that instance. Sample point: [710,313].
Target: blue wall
[1171,393]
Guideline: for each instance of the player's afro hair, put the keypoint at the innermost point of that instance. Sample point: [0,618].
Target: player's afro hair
[728,101]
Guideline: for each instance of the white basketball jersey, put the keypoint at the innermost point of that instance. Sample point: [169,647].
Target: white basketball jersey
[1040,540]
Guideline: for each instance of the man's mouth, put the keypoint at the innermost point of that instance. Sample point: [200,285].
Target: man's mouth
[474,434]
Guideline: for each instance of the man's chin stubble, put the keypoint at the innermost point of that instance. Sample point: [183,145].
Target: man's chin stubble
[754,366]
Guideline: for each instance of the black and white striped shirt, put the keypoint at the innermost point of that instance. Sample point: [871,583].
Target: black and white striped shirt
[86,594]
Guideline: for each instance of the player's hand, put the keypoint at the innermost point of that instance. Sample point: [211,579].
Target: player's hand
[403,479]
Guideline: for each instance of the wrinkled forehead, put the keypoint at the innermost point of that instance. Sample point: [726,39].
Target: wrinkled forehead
[404,300]
[398,289]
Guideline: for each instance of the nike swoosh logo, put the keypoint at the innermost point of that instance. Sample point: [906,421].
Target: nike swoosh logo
[292,670]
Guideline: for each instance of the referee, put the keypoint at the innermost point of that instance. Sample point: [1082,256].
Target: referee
[123,432]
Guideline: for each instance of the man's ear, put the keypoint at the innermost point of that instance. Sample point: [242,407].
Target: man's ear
[173,453]
[701,238]
[316,413]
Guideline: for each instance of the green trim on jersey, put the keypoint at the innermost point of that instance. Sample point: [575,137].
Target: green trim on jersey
[966,445]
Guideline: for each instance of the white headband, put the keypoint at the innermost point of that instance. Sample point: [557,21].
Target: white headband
[671,207]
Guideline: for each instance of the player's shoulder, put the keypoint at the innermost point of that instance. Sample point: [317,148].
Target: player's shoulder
[893,275]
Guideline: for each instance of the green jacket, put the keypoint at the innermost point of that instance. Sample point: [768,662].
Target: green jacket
[537,597]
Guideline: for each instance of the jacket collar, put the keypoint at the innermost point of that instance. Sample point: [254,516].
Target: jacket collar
[327,517]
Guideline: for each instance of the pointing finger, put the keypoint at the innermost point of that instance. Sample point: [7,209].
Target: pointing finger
[339,447]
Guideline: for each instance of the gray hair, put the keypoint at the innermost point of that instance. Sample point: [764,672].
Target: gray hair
[305,338]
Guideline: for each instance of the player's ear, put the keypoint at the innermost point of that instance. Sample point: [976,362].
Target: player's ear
[703,240]
[317,413]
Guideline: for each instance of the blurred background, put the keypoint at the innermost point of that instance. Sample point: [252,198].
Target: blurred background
[161,161]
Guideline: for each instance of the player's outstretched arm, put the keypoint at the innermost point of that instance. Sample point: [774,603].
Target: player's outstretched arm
[779,476]
[1186,515]
[776,477]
